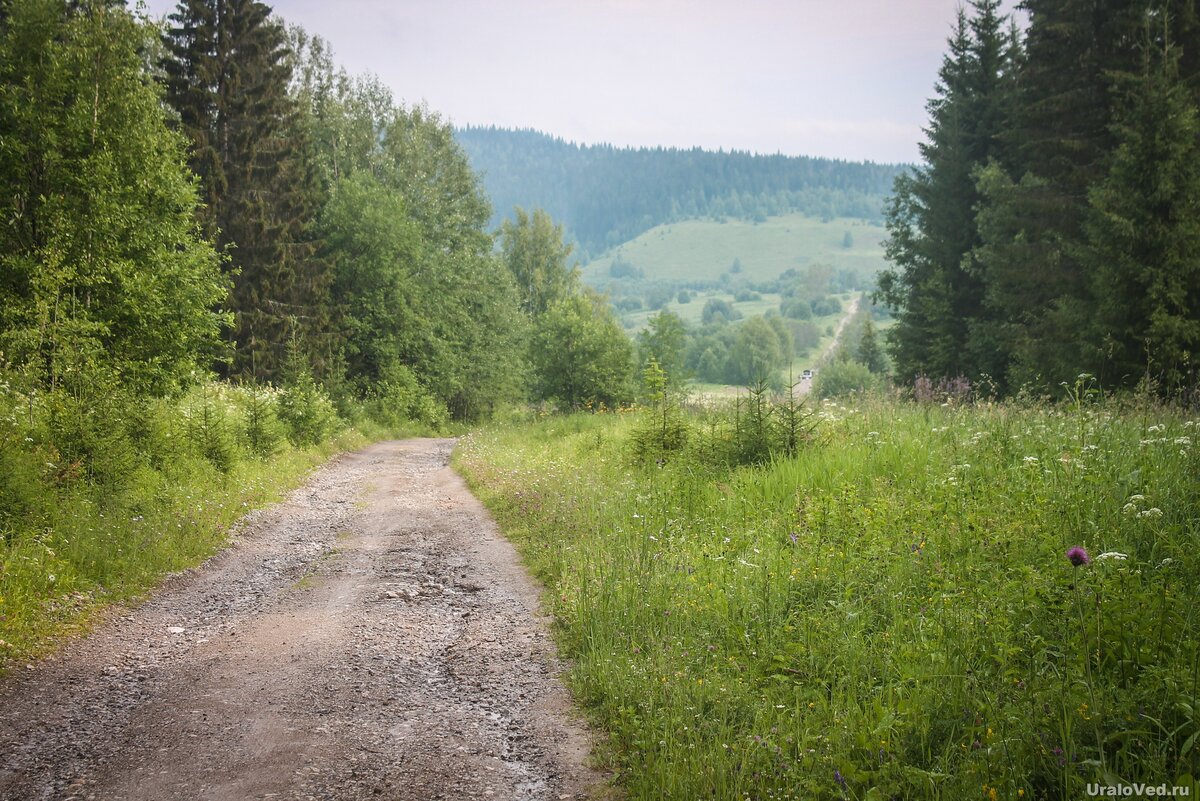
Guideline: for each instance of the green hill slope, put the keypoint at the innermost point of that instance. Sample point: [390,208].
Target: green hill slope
[697,252]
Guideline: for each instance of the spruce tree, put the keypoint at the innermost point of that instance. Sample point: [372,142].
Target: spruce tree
[1035,254]
[869,352]
[1144,230]
[228,74]
[933,285]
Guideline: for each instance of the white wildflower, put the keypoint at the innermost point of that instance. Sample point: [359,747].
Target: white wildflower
[1115,555]
[1152,512]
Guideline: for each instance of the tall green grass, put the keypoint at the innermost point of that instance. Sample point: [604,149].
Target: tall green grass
[888,614]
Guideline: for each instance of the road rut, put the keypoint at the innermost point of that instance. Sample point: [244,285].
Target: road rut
[373,636]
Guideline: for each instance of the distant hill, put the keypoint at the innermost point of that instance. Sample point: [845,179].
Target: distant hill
[699,252]
[606,195]
[681,265]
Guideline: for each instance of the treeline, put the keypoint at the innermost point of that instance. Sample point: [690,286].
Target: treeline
[1053,227]
[719,350]
[216,195]
[606,195]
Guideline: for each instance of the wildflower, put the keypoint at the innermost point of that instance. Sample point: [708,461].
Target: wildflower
[1078,556]
[1152,512]
[1112,555]
[839,778]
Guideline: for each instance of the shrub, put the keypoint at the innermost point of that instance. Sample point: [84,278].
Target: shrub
[209,428]
[307,411]
[623,269]
[826,305]
[398,397]
[262,430]
[662,430]
[719,311]
[796,308]
[843,377]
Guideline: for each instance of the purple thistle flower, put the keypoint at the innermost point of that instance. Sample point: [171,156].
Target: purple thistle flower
[1078,556]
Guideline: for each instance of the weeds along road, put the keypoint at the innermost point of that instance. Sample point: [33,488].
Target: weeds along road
[372,636]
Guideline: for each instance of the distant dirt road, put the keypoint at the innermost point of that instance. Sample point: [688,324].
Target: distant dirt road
[371,637]
[806,384]
[851,310]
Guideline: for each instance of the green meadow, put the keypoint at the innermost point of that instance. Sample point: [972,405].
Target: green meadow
[889,612]
[701,250]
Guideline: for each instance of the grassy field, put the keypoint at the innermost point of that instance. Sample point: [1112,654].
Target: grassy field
[700,250]
[891,613]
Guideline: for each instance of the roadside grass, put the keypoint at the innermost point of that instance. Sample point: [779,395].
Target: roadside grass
[888,614]
[100,513]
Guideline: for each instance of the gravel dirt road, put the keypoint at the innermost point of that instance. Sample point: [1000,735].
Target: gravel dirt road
[373,636]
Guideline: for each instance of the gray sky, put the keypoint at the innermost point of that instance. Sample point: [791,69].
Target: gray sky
[840,78]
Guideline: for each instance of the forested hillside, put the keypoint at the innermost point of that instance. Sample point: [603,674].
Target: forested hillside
[606,195]
[1054,225]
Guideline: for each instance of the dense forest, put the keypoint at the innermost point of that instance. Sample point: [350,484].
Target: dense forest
[218,196]
[607,195]
[1053,227]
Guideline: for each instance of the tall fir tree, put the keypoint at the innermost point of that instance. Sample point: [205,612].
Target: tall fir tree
[935,289]
[1034,251]
[1039,254]
[227,75]
[1144,229]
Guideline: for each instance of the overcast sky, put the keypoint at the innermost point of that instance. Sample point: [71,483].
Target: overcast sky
[840,78]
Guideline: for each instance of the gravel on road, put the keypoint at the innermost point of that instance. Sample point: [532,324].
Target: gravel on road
[373,636]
